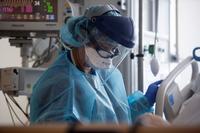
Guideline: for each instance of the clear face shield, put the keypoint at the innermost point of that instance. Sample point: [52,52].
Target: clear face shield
[104,53]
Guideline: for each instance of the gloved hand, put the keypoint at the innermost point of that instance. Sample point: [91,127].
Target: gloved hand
[152,91]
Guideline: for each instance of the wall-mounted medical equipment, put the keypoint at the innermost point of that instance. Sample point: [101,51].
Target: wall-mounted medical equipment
[19,81]
[23,20]
[32,18]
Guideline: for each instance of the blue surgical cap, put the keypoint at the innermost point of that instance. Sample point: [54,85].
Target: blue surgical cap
[68,33]
[74,32]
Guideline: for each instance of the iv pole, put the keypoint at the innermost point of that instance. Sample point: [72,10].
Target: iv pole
[140,48]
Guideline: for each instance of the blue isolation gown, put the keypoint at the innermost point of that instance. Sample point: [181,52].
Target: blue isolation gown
[66,94]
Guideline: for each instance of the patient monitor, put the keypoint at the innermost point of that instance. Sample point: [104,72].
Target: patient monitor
[32,18]
[180,106]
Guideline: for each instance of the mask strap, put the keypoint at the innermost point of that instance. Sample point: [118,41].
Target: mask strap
[72,57]
[65,46]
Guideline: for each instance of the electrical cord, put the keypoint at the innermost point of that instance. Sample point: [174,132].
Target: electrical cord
[46,56]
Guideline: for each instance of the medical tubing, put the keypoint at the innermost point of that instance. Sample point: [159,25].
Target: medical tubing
[45,57]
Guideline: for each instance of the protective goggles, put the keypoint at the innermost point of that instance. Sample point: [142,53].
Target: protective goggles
[111,53]
[107,49]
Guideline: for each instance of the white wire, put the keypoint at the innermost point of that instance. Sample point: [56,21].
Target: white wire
[16,114]
[11,109]
[65,46]
[11,115]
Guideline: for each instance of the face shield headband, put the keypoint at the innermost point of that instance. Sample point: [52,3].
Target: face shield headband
[118,28]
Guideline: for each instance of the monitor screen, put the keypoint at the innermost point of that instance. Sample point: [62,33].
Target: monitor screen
[32,18]
[29,10]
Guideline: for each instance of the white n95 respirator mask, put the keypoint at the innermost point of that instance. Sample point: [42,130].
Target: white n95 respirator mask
[94,60]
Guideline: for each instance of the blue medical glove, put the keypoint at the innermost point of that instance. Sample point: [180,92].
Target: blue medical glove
[152,91]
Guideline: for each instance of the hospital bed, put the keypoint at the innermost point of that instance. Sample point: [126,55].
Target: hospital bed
[180,106]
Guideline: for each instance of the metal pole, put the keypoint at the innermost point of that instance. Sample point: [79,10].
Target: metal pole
[177,30]
[140,47]
[25,46]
